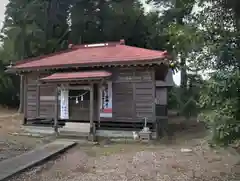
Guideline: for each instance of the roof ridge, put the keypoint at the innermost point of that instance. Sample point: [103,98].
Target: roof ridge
[163,51]
[97,45]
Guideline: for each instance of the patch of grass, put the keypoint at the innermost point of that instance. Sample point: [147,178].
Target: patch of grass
[114,148]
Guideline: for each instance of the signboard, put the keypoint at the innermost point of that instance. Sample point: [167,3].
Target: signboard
[135,77]
[64,111]
[106,101]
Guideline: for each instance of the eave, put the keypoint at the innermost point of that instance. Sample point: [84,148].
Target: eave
[136,63]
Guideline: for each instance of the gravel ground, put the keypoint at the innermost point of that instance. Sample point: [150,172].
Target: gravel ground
[138,162]
[123,162]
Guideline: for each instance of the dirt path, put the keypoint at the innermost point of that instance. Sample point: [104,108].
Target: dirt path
[138,162]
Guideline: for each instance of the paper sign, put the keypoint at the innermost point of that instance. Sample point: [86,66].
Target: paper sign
[106,106]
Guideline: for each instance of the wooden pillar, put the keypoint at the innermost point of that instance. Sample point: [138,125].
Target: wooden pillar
[157,128]
[38,100]
[25,102]
[155,119]
[21,95]
[91,112]
[56,111]
[99,102]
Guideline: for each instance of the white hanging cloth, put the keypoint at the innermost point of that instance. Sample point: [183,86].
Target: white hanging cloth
[64,105]
[81,97]
[76,100]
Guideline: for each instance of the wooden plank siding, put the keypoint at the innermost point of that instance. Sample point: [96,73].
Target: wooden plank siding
[145,95]
[123,109]
[31,101]
[47,101]
[133,96]
[31,95]
[39,99]
[144,100]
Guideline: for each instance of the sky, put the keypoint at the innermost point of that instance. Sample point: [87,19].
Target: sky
[176,77]
[2,10]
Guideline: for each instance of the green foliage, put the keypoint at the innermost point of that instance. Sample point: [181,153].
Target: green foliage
[101,21]
[220,28]
[185,40]
[220,104]
[185,100]
[8,88]
[31,28]
[219,100]
[207,40]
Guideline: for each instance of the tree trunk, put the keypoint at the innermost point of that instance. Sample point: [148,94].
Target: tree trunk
[21,95]
[183,73]
[22,55]
[179,20]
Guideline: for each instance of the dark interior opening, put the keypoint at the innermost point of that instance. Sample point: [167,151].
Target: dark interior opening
[85,94]
[79,104]
[161,72]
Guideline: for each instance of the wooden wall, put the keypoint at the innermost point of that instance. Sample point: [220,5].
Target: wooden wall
[133,95]
[47,101]
[30,95]
[39,99]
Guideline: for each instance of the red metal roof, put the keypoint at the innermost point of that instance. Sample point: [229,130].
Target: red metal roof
[94,54]
[77,75]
